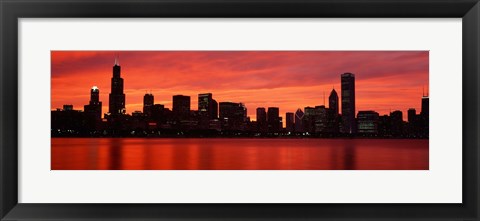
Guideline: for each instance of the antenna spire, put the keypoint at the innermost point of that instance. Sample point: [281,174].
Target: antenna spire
[116,60]
[323,97]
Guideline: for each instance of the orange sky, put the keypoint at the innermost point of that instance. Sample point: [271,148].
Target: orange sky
[385,80]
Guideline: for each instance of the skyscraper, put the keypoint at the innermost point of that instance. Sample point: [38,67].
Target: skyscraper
[158,112]
[233,115]
[95,95]
[117,97]
[412,122]
[148,101]
[94,107]
[425,110]
[333,101]
[321,121]
[412,113]
[214,113]
[273,119]
[309,119]
[262,119]
[204,104]
[207,106]
[348,103]
[424,117]
[181,106]
[396,118]
[299,121]
[289,118]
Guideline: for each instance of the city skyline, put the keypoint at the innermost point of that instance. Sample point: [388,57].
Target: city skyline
[372,98]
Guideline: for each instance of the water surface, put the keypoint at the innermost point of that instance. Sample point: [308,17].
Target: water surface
[238,154]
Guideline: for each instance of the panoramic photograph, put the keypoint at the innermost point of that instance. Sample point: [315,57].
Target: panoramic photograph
[239,110]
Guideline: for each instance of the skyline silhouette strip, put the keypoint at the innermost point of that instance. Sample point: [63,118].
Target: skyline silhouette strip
[386,81]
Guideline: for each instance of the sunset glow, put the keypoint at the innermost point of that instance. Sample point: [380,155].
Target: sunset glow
[385,80]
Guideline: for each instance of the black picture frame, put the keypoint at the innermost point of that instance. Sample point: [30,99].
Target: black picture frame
[12,10]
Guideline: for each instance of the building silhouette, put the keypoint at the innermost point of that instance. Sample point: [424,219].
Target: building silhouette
[233,115]
[309,119]
[412,114]
[67,107]
[348,103]
[207,106]
[425,110]
[67,121]
[299,121]
[94,106]
[148,102]
[333,101]
[273,119]
[262,120]
[321,121]
[181,106]
[412,125]
[290,119]
[214,110]
[231,118]
[333,121]
[368,122]
[397,124]
[384,126]
[424,117]
[116,103]
[158,114]
[137,122]
[93,110]
[333,117]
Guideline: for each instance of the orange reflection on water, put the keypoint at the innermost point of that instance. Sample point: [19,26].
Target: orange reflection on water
[238,154]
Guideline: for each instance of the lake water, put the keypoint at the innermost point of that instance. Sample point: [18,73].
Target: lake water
[238,154]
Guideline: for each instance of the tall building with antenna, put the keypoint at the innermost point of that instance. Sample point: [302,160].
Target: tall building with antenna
[323,98]
[424,116]
[116,103]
